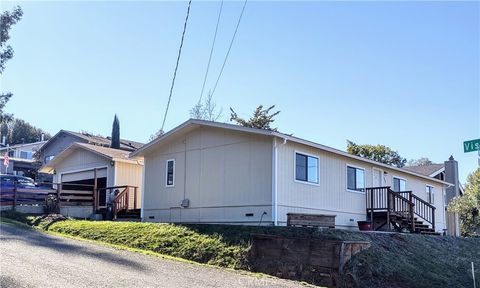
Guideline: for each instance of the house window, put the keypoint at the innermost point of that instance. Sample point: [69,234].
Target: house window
[399,184]
[306,168]
[26,154]
[355,179]
[48,158]
[170,177]
[11,153]
[430,194]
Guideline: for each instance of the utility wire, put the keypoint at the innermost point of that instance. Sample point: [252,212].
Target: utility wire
[229,48]
[211,52]
[176,66]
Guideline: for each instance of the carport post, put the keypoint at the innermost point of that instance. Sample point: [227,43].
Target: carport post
[95,192]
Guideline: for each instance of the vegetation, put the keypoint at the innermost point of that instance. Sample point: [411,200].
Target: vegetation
[468,206]
[424,161]
[7,20]
[379,153]
[206,110]
[394,260]
[115,133]
[19,131]
[167,239]
[261,119]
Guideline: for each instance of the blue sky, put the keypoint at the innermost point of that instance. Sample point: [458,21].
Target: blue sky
[404,74]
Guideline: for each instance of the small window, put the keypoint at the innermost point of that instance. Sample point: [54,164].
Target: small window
[399,185]
[26,154]
[11,153]
[170,177]
[49,158]
[306,168]
[355,179]
[430,194]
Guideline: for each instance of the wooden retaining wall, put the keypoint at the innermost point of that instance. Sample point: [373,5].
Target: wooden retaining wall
[308,259]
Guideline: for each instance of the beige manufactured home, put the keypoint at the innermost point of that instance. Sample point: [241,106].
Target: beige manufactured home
[208,172]
[87,174]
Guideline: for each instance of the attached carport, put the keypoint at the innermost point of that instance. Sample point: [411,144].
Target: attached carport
[86,174]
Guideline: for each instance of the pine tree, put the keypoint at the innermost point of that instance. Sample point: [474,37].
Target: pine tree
[115,134]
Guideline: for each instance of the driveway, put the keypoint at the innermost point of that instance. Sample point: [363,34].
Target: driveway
[33,259]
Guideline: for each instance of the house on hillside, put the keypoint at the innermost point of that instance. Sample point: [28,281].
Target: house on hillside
[64,139]
[21,159]
[88,175]
[208,172]
[447,171]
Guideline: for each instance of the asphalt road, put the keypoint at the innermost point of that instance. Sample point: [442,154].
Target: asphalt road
[33,259]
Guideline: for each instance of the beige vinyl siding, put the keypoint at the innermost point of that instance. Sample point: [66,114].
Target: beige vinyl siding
[331,196]
[129,174]
[81,160]
[228,174]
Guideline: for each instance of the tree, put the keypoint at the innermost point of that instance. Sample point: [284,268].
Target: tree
[379,153]
[206,110]
[156,135]
[115,133]
[19,131]
[468,206]
[261,118]
[424,161]
[7,20]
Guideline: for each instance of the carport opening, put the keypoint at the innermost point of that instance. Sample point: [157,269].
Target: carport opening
[87,185]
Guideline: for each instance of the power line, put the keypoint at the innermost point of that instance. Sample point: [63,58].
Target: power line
[211,52]
[176,66]
[229,48]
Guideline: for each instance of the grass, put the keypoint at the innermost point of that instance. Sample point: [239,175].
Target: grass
[394,260]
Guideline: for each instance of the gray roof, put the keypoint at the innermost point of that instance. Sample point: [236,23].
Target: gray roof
[425,169]
[105,141]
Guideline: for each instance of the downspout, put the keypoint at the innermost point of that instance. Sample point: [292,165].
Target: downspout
[274,182]
[142,193]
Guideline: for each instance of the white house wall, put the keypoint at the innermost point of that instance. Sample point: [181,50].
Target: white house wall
[331,196]
[228,175]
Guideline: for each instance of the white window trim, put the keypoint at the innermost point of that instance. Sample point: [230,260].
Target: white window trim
[295,152]
[433,192]
[364,178]
[398,177]
[166,173]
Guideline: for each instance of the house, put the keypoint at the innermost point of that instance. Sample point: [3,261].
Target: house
[447,171]
[21,159]
[64,139]
[87,174]
[208,172]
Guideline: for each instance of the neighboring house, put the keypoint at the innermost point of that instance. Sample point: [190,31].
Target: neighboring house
[448,171]
[21,159]
[64,139]
[94,168]
[208,172]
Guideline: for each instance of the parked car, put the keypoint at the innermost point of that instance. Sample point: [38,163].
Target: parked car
[8,182]
[27,189]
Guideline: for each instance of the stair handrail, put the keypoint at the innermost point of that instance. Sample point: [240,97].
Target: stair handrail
[424,210]
[403,200]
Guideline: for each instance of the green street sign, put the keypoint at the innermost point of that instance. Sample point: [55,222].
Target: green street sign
[472,145]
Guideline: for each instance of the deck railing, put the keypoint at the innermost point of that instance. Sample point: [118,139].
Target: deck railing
[404,203]
[384,199]
[123,198]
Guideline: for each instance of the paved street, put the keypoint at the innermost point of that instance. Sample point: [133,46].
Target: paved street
[33,259]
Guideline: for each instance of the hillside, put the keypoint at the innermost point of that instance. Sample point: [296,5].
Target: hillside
[393,260]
